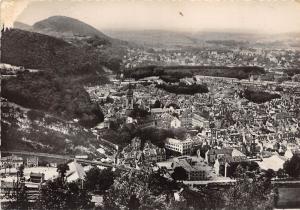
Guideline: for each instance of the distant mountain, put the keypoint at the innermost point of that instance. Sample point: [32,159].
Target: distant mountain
[154,38]
[206,38]
[81,34]
[56,25]
[22,26]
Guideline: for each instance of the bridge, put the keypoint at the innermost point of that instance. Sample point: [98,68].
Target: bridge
[67,157]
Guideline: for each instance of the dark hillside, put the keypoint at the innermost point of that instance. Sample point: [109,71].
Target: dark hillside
[38,51]
[58,89]
[56,95]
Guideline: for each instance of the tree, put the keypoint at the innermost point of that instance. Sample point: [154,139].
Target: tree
[246,194]
[280,173]
[21,171]
[62,170]
[132,189]
[57,195]
[133,203]
[97,180]
[292,166]
[269,174]
[179,174]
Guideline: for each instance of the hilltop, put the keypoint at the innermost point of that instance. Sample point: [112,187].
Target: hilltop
[69,26]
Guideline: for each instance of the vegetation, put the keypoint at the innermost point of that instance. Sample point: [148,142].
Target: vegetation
[54,95]
[173,73]
[139,190]
[258,96]
[179,174]
[58,195]
[184,89]
[256,193]
[58,89]
[242,169]
[292,72]
[44,133]
[292,166]
[38,51]
[62,170]
[139,113]
[151,190]
[98,181]
[157,136]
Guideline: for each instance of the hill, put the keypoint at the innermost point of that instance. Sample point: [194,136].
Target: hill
[33,130]
[39,51]
[58,87]
[22,26]
[69,26]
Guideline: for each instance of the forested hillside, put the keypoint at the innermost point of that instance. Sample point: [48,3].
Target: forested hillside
[38,51]
[58,87]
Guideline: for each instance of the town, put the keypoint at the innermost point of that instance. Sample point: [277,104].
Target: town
[150,105]
[202,138]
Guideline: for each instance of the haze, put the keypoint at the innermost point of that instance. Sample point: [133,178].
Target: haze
[255,16]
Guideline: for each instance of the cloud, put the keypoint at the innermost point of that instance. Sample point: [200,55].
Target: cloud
[10,10]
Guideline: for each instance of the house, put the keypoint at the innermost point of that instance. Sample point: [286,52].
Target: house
[153,153]
[181,146]
[157,112]
[32,161]
[12,161]
[136,153]
[223,162]
[75,172]
[190,120]
[175,123]
[37,177]
[212,155]
[196,171]
[164,121]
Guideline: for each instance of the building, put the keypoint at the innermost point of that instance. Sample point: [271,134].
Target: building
[190,120]
[32,161]
[37,177]
[129,99]
[153,154]
[183,147]
[175,123]
[11,161]
[212,155]
[136,153]
[195,171]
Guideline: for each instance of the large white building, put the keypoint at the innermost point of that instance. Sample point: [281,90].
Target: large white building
[183,147]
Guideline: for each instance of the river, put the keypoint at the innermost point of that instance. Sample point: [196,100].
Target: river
[289,198]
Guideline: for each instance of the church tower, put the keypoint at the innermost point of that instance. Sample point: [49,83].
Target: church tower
[129,98]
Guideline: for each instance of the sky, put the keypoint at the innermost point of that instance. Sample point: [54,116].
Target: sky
[262,16]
